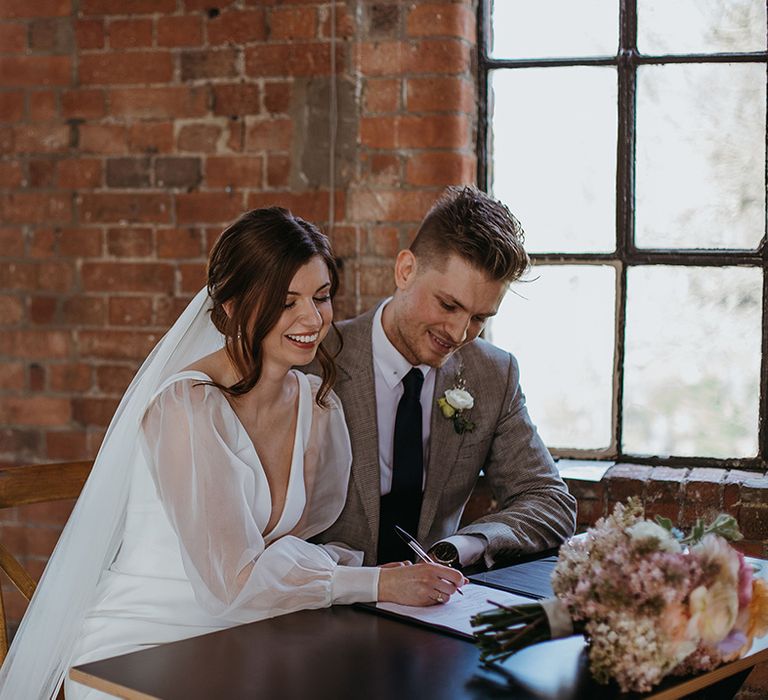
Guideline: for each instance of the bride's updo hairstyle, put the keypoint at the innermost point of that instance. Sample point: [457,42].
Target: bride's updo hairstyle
[250,270]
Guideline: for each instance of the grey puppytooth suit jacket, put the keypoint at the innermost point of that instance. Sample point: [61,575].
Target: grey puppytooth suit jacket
[536,511]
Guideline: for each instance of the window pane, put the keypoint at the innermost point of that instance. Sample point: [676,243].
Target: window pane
[560,326]
[536,28]
[554,155]
[700,159]
[692,362]
[700,26]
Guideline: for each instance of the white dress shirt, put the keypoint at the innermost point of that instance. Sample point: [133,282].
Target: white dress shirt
[389,368]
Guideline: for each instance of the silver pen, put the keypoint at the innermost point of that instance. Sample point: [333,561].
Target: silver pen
[413,543]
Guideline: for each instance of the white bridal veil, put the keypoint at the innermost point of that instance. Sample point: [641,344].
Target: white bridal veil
[38,657]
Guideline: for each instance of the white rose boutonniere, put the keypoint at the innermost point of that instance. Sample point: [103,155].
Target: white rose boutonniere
[454,402]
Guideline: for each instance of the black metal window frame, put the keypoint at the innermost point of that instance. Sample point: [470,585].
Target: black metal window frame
[626,255]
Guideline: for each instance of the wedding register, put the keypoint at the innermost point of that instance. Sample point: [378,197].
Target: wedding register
[453,616]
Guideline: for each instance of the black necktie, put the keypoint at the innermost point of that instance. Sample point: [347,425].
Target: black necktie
[402,505]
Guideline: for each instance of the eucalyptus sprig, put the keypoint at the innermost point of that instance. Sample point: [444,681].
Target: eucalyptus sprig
[723,525]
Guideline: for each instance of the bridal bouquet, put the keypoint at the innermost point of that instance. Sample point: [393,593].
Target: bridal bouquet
[651,600]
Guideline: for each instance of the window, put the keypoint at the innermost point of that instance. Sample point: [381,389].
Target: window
[629,137]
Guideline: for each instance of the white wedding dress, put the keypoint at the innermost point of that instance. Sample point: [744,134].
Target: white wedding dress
[195,557]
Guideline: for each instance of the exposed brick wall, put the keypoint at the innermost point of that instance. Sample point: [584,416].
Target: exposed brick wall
[131,132]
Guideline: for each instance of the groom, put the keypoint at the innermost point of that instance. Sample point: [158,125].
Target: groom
[417,450]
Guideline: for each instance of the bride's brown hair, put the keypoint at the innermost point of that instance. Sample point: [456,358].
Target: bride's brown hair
[250,269]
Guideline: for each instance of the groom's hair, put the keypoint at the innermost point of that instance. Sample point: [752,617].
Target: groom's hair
[250,270]
[479,229]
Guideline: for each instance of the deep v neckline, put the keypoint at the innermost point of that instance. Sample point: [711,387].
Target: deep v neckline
[295,494]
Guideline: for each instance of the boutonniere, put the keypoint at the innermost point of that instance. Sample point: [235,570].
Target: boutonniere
[454,402]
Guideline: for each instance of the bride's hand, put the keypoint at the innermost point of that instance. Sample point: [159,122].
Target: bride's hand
[420,584]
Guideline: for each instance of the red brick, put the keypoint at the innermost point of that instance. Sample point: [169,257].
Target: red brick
[383,19]
[42,310]
[753,522]
[22,442]
[29,138]
[221,4]
[193,277]
[116,345]
[34,207]
[290,23]
[51,36]
[11,376]
[124,7]
[43,243]
[382,95]
[94,411]
[242,171]
[83,104]
[441,19]
[311,205]
[35,70]
[178,243]
[440,94]
[11,310]
[236,99]
[235,136]
[80,242]
[11,106]
[133,207]
[10,174]
[130,311]
[34,410]
[114,379]
[390,205]
[197,65]
[280,60]
[269,135]
[378,281]
[159,103]
[80,173]
[30,541]
[382,169]
[43,106]
[102,138]
[199,138]
[130,242]
[13,37]
[197,207]
[237,28]
[179,31]
[384,241]
[150,137]
[278,171]
[22,9]
[128,172]
[42,173]
[177,172]
[437,168]
[439,131]
[116,67]
[414,57]
[6,141]
[84,311]
[69,377]
[11,242]
[129,33]
[277,97]
[66,444]
[755,490]
[89,33]
[168,309]
[134,277]
[345,24]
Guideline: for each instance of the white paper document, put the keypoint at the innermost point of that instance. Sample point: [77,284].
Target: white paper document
[457,612]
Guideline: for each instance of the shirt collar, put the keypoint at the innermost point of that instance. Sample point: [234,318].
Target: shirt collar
[387,358]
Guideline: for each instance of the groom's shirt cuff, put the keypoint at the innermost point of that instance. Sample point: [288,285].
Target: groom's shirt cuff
[470,547]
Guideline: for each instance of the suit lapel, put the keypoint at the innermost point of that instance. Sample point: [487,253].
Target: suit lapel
[444,444]
[355,386]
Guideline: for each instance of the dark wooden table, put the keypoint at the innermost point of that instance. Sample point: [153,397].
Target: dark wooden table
[344,652]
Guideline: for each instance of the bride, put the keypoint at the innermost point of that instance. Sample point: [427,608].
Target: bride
[219,464]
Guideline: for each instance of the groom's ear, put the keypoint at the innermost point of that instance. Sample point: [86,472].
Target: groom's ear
[406,266]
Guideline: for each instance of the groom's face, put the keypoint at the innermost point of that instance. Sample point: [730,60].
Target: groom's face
[439,307]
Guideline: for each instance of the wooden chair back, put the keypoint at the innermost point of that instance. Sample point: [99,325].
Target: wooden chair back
[34,483]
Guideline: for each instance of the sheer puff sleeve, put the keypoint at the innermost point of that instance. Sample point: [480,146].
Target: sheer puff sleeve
[218,505]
